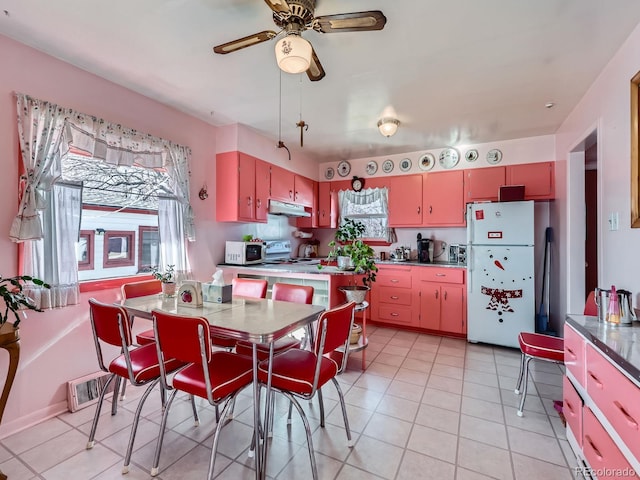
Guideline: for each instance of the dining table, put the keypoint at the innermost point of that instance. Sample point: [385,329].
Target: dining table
[252,319]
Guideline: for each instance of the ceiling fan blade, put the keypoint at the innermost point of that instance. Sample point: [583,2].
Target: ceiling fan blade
[315,71]
[244,42]
[350,22]
[278,6]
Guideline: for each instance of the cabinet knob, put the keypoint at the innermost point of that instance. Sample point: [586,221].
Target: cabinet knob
[418,210]
[394,280]
[394,297]
[290,193]
[437,293]
[258,203]
[430,209]
[394,314]
[441,274]
[249,201]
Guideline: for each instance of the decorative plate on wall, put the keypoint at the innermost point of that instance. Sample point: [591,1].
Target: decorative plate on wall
[328,173]
[494,156]
[344,168]
[387,166]
[372,167]
[449,157]
[427,161]
[405,164]
[471,155]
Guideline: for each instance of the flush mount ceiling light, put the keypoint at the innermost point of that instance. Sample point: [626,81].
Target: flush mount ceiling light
[293,53]
[388,126]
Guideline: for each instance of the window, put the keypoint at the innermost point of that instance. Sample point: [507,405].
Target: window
[118,249]
[369,207]
[148,248]
[84,250]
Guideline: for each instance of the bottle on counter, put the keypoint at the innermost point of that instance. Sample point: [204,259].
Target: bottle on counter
[613,313]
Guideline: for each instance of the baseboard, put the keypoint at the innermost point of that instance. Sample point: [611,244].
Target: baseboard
[9,427]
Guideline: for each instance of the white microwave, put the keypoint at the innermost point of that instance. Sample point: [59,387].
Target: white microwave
[244,253]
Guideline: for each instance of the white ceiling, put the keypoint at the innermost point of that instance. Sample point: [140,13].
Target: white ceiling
[454,72]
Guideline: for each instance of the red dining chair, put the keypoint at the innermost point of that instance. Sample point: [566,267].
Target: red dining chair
[301,373]
[539,347]
[141,289]
[241,287]
[111,325]
[285,292]
[215,375]
[590,306]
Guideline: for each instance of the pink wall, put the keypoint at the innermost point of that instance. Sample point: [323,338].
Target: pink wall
[57,345]
[605,108]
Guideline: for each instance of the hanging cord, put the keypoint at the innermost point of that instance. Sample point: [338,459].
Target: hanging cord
[301,124]
[280,142]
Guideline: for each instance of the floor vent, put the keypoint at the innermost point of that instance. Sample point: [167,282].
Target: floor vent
[85,391]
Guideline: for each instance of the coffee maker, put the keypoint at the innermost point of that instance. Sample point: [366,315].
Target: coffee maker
[424,245]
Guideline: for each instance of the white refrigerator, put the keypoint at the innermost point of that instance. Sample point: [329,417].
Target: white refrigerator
[500,266]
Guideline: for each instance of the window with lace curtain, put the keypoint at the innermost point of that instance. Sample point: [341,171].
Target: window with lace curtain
[371,208]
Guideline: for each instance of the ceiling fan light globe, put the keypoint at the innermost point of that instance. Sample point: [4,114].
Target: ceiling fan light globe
[293,54]
[388,126]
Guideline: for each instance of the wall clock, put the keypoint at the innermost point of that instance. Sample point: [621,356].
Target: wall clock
[372,167]
[387,166]
[344,168]
[449,158]
[494,156]
[357,184]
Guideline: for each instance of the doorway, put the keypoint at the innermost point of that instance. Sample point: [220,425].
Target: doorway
[591,217]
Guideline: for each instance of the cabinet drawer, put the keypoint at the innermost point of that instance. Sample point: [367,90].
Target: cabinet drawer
[442,275]
[400,314]
[399,280]
[574,360]
[394,295]
[616,397]
[600,451]
[572,409]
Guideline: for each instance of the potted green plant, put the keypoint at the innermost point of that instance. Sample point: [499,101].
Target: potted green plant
[352,253]
[15,299]
[167,277]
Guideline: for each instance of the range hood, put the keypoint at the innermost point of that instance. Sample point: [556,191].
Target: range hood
[287,209]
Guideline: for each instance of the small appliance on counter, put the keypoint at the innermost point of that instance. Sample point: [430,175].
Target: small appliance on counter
[458,254]
[425,249]
[244,253]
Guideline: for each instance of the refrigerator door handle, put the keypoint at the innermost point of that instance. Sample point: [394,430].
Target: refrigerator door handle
[470,268]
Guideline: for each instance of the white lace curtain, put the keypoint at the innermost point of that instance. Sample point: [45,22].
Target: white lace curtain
[46,133]
[371,207]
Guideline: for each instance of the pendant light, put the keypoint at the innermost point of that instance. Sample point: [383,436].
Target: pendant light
[388,126]
[293,53]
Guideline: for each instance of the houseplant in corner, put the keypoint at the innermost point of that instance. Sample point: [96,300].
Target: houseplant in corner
[352,253]
[167,278]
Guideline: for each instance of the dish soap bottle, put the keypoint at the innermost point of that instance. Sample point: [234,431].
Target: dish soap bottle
[613,313]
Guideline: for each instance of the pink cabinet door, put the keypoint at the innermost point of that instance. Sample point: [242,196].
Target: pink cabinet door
[616,397]
[303,191]
[443,199]
[452,308]
[405,200]
[263,183]
[430,305]
[537,178]
[600,451]
[324,204]
[574,359]
[483,183]
[282,184]
[572,409]
[247,178]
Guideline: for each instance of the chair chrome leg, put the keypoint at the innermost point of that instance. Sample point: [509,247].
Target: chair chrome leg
[321,407]
[134,426]
[196,419]
[163,425]
[519,384]
[307,428]
[228,407]
[114,397]
[526,381]
[344,413]
[96,416]
[289,415]
[123,391]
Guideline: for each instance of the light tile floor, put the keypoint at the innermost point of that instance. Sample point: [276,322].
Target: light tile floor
[426,408]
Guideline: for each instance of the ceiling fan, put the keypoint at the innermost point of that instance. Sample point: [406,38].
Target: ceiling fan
[294,17]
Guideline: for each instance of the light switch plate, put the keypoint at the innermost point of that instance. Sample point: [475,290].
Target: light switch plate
[614,221]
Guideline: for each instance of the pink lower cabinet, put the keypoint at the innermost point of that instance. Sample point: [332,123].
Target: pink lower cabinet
[574,345]
[392,296]
[617,397]
[602,454]
[572,409]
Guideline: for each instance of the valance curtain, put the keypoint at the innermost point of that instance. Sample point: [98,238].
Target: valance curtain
[47,132]
[371,207]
